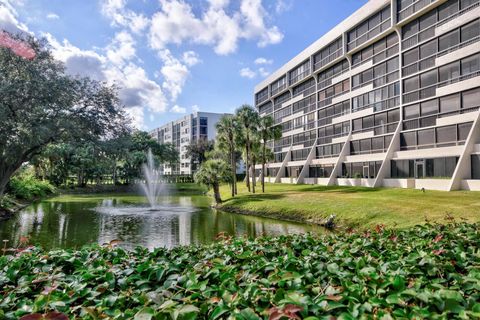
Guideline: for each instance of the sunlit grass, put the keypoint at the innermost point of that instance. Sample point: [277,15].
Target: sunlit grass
[358,206]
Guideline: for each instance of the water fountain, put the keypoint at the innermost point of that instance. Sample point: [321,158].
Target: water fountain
[152,186]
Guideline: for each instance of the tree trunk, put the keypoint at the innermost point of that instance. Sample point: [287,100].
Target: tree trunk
[247,168]
[263,167]
[252,168]
[234,176]
[216,193]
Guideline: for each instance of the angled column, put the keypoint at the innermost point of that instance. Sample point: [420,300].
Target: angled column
[392,148]
[306,166]
[284,164]
[341,157]
[464,165]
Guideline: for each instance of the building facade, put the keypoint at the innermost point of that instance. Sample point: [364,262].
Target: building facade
[180,133]
[389,97]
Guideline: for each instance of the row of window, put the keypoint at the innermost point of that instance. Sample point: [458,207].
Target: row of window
[424,168]
[326,114]
[307,87]
[320,171]
[324,96]
[435,137]
[370,145]
[369,28]
[376,120]
[380,99]
[329,150]
[307,104]
[328,54]
[325,77]
[423,85]
[261,96]
[423,27]
[278,101]
[278,85]
[417,59]
[265,108]
[308,136]
[449,104]
[376,49]
[374,74]
[298,155]
[300,72]
[325,134]
[367,170]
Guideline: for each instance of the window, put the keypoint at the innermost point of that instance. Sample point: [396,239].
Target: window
[471,64]
[475,166]
[464,130]
[470,31]
[428,78]
[449,40]
[411,112]
[450,103]
[408,139]
[393,115]
[428,49]
[449,72]
[471,98]
[411,84]
[466,3]
[410,57]
[447,134]
[410,29]
[447,9]
[426,137]
[429,107]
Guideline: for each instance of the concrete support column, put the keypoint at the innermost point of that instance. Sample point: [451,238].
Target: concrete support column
[281,171]
[306,166]
[338,165]
[464,165]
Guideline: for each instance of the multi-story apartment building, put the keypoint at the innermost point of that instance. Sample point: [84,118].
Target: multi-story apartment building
[389,97]
[181,132]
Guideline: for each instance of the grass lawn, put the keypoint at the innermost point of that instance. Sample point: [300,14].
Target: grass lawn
[356,206]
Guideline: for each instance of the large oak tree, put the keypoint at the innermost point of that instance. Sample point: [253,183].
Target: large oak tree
[41,104]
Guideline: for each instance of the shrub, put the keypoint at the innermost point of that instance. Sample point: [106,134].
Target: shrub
[24,185]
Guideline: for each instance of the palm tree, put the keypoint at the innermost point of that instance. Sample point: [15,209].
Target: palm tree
[267,130]
[248,119]
[255,156]
[227,137]
[211,174]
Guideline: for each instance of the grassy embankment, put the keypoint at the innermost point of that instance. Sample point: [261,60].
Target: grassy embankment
[355,206]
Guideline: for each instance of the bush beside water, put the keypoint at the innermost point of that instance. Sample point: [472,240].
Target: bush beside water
[430,271]
[24,185]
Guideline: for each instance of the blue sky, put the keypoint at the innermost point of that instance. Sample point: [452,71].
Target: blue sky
[170,57]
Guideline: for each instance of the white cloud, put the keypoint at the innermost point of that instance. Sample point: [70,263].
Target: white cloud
[177,23]
[137,91]
[263,72]
[9,19]
[283,5]
[53,16]
[122,49]
[247,73]
[177,109]
[262,60]
[119,15]
[195,108]
[174,73]
[191,58]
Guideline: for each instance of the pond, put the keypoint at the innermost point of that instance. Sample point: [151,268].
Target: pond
[71,221]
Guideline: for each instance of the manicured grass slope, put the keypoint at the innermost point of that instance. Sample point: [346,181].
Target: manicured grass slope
[424,272]
[357,206]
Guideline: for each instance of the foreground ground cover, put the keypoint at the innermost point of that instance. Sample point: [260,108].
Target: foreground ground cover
[430,271]
[355,206]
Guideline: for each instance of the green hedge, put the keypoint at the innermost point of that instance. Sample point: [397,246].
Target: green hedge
[422,272]
[25,186]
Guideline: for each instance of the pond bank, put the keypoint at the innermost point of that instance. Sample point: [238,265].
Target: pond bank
[354,206]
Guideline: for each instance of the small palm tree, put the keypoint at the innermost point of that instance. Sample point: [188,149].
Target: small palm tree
[227,140]
[211,174]
[267,130]
[248,120]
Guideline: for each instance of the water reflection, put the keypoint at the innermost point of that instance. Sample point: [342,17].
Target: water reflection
[179,220]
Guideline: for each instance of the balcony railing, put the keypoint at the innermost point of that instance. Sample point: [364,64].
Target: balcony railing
[335,55]
[300,76]
[429,32]
[431,120]
[412,8]
[370,34]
